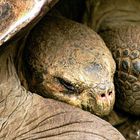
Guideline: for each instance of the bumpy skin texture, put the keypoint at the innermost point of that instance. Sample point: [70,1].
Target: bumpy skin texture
[27,116]
[69,62]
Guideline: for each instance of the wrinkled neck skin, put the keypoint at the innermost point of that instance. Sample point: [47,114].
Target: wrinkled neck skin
[9,81]
[110,12]
[11,91]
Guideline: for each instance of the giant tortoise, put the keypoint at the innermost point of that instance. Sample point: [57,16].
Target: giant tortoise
[25,115]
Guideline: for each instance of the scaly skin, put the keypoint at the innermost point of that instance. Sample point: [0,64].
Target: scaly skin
[69,62]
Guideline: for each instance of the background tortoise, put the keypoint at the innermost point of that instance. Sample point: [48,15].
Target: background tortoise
[118,24]
[24,115]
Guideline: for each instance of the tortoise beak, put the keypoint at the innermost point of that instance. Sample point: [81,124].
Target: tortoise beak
[102,103]
[15,15]
[101,99]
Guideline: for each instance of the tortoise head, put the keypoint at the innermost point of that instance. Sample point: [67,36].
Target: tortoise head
[15,15]
[70,62]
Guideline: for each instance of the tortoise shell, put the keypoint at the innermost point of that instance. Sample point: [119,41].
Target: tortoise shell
[15,15]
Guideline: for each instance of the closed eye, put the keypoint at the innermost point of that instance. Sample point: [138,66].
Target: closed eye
[67,85]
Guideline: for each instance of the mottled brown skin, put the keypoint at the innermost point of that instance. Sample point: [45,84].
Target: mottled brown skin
[69,62]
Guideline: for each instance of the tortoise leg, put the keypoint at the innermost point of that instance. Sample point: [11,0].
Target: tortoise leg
[130,129]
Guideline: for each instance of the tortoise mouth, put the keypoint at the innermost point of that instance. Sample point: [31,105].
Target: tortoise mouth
[100,105]
[103,108]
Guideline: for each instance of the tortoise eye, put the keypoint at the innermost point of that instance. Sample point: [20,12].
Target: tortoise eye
[66,84]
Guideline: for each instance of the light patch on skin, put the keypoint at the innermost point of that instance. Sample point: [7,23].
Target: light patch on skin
[93,68]
[75,101]
[81,78]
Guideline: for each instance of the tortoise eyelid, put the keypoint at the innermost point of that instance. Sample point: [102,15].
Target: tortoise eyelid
[67,84]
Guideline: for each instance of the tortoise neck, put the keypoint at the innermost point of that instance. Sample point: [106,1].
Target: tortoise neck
[8,76]
[12,94]
[106,12]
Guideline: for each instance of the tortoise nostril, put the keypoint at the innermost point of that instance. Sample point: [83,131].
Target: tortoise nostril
[103,95]
[110,92]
